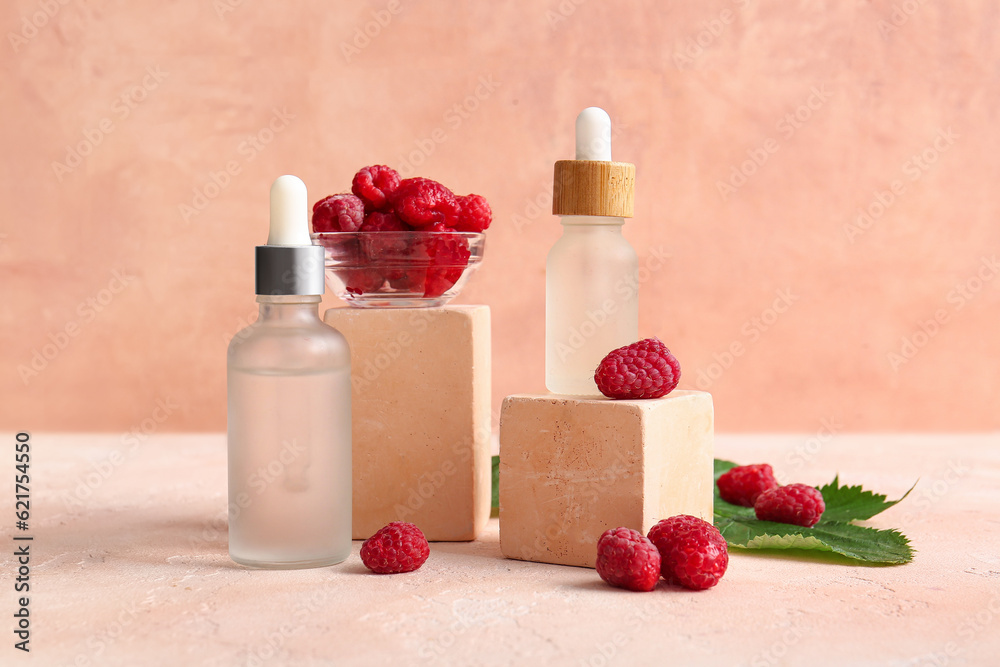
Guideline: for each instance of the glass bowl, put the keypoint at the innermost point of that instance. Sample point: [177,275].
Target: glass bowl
[411,269]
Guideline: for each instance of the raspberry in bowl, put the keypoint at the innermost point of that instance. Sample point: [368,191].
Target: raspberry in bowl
[403,269]
[395,242]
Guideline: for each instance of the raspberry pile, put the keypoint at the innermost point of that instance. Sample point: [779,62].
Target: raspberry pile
[645,369]
[382,202]
[755,486]
[684,550]
[397,547]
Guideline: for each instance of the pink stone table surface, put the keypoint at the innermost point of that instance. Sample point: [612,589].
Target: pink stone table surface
[129,567]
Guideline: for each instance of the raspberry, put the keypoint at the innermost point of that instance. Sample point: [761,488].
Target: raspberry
[365,278]
[422,202]
[390,251]
[383,222]
[693,552]
[375,185]
[407,280]
[398,547]
[641,370]
[475,214]
[627,559]
[361,281]
[741,485]
[377,247]
[338,213]
[449,255]
[797,504]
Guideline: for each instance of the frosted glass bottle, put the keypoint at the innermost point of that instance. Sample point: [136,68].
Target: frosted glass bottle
[289,427]
[591,301]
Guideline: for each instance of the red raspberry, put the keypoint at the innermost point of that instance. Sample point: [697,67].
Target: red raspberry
[741,485]
[641,370]
[475,214]
[693,552]
[390,253]
[375,185]
[383,222]
[407,280]
[379,248]
[338,213]
[361,281]
[398,547]
[422,202]
[627,559]
[797,504]
[449,255]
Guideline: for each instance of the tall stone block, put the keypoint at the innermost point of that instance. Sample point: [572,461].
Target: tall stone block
[421,417]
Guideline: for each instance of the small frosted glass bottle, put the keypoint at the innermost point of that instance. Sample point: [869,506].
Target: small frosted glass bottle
[289,408]
[591,291]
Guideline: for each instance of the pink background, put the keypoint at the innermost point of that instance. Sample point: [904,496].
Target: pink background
[118,303]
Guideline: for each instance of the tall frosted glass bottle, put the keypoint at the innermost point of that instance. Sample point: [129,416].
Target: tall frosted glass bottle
[289,408]
[591,290]
[591,301]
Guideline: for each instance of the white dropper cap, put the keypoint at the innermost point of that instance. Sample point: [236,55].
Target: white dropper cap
[290,264]
[593,135]
[289,212]
[593,184]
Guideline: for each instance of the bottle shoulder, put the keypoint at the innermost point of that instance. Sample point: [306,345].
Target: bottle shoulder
[262,346]
[583,243]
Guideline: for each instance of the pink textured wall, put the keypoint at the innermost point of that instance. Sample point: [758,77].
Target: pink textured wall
[759,131]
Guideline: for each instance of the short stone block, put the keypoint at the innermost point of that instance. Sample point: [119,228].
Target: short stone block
[570,468]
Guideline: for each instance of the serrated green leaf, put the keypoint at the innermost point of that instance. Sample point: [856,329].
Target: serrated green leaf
[862,543]
[788,542]
[834,533]
[495,505]
[853,503]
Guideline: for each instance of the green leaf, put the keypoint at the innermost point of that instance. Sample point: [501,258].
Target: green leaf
[834,532]
[721,466]
[853,503]
[495,511]
[861,543]
[722,508]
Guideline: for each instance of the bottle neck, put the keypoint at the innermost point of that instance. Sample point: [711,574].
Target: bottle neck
[289,309]
[590,221]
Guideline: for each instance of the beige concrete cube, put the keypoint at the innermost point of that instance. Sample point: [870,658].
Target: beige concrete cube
[570,468]
[421,417]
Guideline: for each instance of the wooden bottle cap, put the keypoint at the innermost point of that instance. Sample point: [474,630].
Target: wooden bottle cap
[592,187]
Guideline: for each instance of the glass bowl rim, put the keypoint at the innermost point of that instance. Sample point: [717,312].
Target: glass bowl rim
[333,235]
